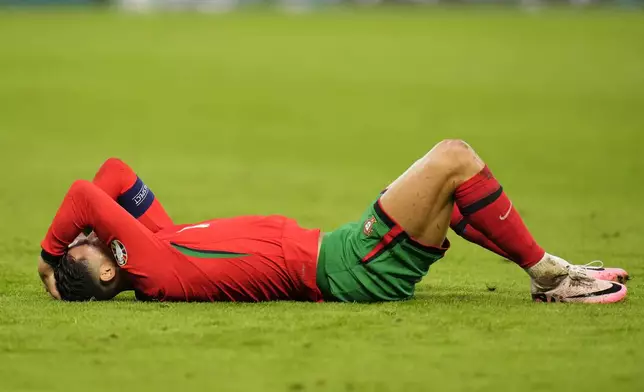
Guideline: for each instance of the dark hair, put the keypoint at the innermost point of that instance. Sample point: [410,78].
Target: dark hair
[74,280]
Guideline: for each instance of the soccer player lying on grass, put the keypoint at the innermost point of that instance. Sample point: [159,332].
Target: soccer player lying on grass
[255,258]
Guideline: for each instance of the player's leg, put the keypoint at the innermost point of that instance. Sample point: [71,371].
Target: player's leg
[382,257]
[462,227]
[420,201]
[122,184]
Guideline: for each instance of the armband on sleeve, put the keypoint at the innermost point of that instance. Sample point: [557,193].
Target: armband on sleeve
[137,199]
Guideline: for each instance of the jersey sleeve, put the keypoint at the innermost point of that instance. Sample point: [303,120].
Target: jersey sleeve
[122,184]
[87,206]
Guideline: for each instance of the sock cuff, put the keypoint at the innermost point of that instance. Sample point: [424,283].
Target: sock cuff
[477,192]
[479,204]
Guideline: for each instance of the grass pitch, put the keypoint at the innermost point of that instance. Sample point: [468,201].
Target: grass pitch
[310,116]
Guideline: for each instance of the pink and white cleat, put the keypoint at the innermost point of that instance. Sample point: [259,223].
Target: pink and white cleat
[555,280]
[585,290]
[596,270]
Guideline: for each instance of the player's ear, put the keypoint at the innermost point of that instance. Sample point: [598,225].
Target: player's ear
[107,272]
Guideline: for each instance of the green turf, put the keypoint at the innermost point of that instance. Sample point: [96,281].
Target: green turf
[310,116]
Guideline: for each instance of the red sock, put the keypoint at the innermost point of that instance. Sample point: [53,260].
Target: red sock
[487,208]
[461,226]
[120,182]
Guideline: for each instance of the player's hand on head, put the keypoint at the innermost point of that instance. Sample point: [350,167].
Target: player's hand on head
[46,273]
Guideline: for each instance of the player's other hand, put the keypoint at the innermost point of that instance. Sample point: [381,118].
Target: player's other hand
[46,273]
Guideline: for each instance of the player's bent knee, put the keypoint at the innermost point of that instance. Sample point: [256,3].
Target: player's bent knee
[453,152]
[453,146]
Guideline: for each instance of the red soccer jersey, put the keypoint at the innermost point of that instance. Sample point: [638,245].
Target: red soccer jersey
[250,258]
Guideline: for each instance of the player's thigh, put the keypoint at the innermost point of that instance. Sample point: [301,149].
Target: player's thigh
[420,200]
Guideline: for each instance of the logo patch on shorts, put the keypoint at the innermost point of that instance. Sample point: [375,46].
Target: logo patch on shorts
[119,252]
[367,229]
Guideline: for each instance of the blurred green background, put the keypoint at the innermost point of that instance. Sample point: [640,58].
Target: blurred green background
[311,116]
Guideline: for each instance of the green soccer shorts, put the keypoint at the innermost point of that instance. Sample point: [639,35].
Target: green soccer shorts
[373,260]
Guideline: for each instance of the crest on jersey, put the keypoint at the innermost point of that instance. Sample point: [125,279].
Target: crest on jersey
[367,229]
[119,252]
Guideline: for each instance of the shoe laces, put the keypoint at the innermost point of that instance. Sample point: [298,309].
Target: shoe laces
[594,264]
[579,272]
[582,270]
